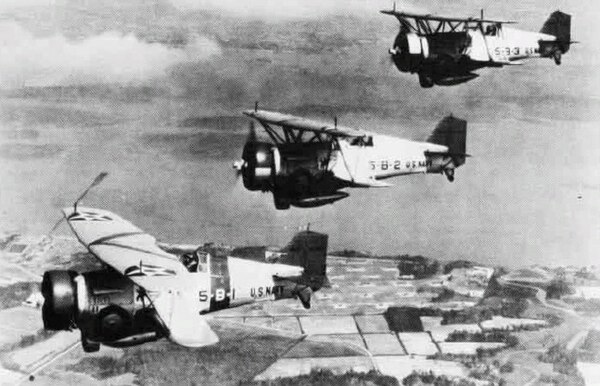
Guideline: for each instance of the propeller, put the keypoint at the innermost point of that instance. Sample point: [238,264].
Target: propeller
[392,52]
[239,165]
[396,49]
[99,178]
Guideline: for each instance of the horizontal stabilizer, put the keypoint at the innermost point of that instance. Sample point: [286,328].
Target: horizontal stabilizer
[510,63]
[448,154]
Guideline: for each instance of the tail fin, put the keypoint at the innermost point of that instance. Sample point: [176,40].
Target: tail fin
[559,25]
[308,250]
[452,133]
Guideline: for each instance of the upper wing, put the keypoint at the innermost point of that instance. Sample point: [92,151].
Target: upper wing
[134,254]
[429,17]
[287,121]
[120,244]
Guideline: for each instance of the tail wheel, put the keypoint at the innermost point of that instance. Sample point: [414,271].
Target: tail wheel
[557,57]
[304,296]
[449,174]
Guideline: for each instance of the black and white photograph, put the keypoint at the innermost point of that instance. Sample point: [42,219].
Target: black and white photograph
[300,192]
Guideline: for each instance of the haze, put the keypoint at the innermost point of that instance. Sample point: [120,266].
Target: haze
[152,94]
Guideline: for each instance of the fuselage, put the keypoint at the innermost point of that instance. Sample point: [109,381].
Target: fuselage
[507,44]
[381,156]
[225,281]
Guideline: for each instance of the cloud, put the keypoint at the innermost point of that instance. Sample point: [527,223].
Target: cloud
[8,5]
[27,60]
[291,9]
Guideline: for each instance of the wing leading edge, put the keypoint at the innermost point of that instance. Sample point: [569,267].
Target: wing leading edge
[429,17]
[302,124]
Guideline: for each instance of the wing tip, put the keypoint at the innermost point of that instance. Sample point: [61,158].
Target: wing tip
[209,339]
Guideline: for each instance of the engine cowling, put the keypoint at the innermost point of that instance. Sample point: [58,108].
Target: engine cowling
[439,54]
[58,290]
[260,163]
[410,51]
[106,306]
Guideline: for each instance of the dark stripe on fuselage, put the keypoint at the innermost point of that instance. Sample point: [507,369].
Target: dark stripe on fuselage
[221,293]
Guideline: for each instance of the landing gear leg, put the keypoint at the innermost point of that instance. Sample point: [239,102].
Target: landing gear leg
[281,203]
[87,345]
[425,80]
[449,174]
[557,57]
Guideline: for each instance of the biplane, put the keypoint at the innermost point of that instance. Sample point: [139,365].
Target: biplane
[147,292]
[308,163]
[445,51]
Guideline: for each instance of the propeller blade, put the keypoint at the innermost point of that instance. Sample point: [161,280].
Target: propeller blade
[99,178]
[238,166]
[56,225]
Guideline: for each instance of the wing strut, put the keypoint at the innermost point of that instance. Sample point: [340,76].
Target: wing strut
[344,159]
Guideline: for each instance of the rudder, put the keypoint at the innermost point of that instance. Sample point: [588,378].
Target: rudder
[452,133]
[308,250]
[559,25]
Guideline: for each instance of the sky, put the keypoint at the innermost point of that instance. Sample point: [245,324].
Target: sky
[100,86]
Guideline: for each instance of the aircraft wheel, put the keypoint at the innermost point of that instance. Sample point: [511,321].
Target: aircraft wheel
[425,80]
[87,345]
[281,203]
[557,57]
[303,183]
